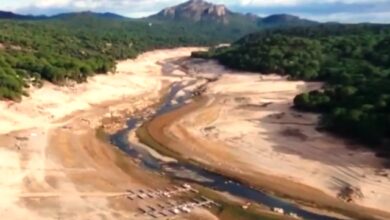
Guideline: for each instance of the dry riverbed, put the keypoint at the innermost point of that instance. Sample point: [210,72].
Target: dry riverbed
[244,127]
[53,162]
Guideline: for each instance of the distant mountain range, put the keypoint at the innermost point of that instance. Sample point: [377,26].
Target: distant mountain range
[14,16]
[11,15]
[193,11]
[107,15]
[284,19]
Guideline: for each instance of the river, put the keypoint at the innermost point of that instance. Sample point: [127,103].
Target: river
[198,175]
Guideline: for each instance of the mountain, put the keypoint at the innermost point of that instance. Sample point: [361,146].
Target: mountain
[283,20]
[87,14]
[11,15]
[207,18]
[199,11]
[84,14]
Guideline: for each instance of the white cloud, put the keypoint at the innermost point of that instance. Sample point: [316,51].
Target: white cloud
[51,3]
[98,3]
[126,7]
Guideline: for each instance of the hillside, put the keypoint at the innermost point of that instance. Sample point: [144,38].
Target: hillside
[73,46]
[77,46]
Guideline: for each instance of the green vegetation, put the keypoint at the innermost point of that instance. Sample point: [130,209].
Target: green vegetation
[353,60]
[75,46]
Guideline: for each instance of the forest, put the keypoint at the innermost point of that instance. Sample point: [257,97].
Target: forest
[74,46]
[352,60]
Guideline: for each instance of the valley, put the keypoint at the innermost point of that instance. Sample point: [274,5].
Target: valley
[198,111]
[241,127]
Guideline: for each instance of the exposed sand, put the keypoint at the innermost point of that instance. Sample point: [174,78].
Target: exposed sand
[265,129]
[53,166]
[247,129]
[132,78]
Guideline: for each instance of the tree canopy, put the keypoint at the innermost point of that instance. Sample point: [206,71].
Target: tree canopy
[76,46]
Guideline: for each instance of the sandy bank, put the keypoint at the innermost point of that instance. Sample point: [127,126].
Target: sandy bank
[52,163]
[246,128]
[132,78]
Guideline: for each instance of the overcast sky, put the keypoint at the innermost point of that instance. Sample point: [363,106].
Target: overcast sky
[351,11]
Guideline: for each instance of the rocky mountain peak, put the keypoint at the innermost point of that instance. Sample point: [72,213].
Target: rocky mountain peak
[206,12]
[196,10]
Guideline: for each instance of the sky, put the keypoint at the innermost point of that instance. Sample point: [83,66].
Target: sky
[348,11]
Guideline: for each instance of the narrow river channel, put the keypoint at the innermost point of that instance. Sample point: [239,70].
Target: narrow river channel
[198,175]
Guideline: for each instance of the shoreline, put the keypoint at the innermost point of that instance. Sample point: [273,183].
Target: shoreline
[160,129]
[132,78]
[53,163]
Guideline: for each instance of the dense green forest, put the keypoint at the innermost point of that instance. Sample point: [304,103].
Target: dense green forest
[75,46]
[353,60]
